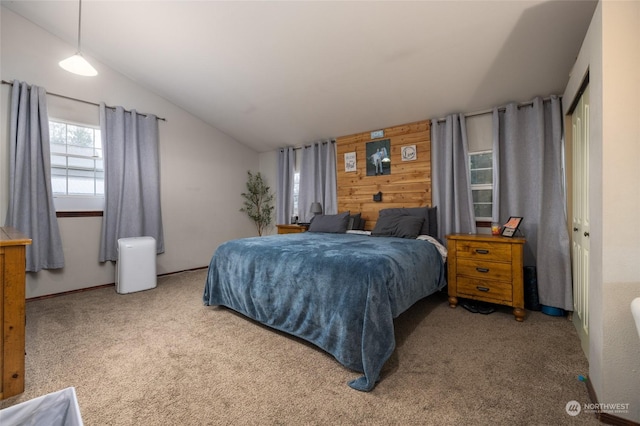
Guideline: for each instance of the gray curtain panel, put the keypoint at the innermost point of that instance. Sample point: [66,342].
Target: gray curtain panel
[284,194]
[31,208]
[318,179]
[530,142]
[132,179]
[450,176]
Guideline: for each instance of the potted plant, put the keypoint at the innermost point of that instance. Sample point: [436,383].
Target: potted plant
[258,202]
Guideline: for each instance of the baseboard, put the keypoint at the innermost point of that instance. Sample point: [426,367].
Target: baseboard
[199,268]
[47,296]
[607,418]
[63,293]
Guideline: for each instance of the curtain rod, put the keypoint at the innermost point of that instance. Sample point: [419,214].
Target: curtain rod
[85,102]
[307,146]
[501,109]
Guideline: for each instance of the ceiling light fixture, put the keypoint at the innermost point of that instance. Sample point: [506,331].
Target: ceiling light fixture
[77,64]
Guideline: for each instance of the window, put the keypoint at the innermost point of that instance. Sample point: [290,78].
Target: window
[296,192]
[77,166]
[481,166]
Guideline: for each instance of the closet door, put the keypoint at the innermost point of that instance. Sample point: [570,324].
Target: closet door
[580,219]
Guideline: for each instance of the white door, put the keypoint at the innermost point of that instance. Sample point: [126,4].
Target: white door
[580,220]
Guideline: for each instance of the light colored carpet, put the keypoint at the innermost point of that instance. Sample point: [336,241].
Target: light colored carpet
[160,357]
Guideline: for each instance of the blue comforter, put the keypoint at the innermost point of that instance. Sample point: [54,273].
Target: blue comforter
[340,292]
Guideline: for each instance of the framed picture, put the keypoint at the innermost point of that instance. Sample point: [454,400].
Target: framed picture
[408,153]
[378,161]
[350,162]
[510,228]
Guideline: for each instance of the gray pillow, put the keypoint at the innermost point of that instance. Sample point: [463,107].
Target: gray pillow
[333,223]
[430,224]
[432,215]
[355,222]
[398,225]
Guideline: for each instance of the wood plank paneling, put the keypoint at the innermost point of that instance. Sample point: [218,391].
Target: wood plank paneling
[408,185]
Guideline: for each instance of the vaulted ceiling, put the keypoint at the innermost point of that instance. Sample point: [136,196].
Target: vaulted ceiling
[276,73]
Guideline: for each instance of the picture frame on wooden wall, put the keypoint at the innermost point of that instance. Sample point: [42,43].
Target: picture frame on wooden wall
[350,164]
[408,153]
[378,157]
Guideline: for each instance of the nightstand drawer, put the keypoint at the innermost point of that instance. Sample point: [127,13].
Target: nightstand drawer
[475,288]
[484,270]
[479,250]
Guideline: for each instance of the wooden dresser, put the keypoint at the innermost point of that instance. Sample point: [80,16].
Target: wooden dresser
[486,268]
[12,279]
[291,229]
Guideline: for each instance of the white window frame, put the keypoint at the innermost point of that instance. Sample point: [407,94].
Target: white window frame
[76,202]
[296,192]
[484,186]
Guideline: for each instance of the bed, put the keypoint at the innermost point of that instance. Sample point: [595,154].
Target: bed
[339,291]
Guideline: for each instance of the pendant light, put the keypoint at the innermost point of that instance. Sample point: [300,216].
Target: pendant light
[77,64]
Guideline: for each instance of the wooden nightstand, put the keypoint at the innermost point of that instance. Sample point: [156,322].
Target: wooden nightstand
[291,229]
[486,268]
[12,339]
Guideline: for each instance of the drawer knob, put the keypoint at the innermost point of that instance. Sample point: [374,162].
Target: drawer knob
[485,289]
[483,270]
[482,251]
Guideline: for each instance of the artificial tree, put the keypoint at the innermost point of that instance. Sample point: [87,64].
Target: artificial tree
[258,202]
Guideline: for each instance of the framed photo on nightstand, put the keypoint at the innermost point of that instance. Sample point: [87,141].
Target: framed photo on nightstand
[509,229]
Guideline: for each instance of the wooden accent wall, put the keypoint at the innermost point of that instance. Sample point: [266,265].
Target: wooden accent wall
[408,185]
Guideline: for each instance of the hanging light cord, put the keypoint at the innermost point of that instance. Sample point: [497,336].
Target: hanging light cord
[79,23]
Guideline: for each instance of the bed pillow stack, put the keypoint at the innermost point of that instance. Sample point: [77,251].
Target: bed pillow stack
[401,222]
[356,222]
[331,223]
[398,225]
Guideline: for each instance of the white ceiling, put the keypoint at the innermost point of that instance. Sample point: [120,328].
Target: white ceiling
[279,73]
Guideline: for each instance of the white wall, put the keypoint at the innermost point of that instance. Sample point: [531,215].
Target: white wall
[611,55]
[203,171]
